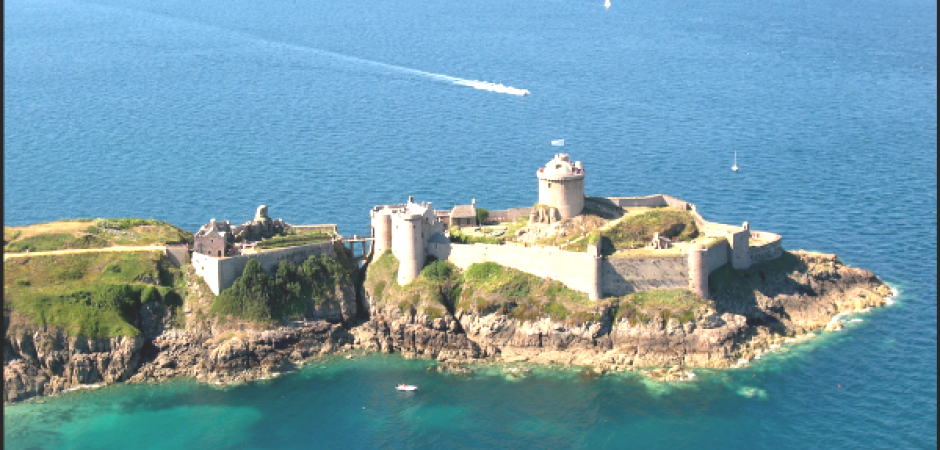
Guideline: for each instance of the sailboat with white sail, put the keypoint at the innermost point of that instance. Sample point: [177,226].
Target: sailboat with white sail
[734,167]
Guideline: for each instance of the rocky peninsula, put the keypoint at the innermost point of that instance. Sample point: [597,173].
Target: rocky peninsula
[486,313]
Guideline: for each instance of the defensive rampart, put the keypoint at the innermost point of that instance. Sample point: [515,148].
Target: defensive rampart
[621,276]
[509,215]
[577,270]
[765,246]
[177,254]
[597,276]
[220,273]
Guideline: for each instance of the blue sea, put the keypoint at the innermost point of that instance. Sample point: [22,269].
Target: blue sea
[186,111]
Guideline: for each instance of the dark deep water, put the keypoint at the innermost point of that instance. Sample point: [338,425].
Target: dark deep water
[188,111]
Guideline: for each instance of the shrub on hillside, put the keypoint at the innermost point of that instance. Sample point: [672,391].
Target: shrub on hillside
[261,297]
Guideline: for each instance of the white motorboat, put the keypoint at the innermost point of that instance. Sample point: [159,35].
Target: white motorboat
[406,387]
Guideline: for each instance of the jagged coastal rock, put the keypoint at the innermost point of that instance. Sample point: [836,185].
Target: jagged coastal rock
[786,305]
[43,361]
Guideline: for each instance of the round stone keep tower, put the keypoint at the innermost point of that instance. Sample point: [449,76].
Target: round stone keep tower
[561,185]
[381,231]
[698,270]
[409,246]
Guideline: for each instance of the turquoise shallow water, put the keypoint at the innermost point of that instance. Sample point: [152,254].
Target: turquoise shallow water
[188,111]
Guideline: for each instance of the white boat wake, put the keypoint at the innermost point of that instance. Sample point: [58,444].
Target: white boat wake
[476,84]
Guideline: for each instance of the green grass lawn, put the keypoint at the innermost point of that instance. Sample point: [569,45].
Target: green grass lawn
[91,294]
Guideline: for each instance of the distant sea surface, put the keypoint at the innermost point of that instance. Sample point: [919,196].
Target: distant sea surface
[187,111]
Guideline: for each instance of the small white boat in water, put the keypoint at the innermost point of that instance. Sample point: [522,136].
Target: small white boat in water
[734,167]
[406,387]
[607,4]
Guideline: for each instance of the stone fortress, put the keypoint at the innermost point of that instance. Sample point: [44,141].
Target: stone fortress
[412,231]
[406,230]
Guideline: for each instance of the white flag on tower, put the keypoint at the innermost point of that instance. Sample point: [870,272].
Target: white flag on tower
[558,143]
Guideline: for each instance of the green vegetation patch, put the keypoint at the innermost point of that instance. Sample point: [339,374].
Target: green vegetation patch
[431,293]
[491,288]
[259,297]
[458,236]
[636,231]
[97,295]
[86,233]
[640,307]
[293,240]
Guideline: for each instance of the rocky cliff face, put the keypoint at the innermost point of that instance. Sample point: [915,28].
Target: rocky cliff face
[224,350]
[752,310]
[42,361]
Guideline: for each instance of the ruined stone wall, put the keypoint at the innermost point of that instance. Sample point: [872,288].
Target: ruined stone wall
[220,273]
[621,276]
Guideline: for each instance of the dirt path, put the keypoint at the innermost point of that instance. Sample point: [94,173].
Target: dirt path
[117,248]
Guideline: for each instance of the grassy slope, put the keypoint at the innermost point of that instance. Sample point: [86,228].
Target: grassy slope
[91,294]
[88,233]
[641,307]
[489,288]
[428,294]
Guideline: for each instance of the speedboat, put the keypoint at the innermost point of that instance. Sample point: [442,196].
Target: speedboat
[406,387]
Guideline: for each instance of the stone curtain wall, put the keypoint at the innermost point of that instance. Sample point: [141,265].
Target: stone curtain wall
[717,255]
[177,254]
[208,268]
[509,215]
[650,201]
[220,273]
[770,247]
[621,276]
[575,269]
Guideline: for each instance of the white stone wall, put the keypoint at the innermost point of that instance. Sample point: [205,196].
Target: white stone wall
[650,201]
[382,231]
[207,267]
[408,247]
